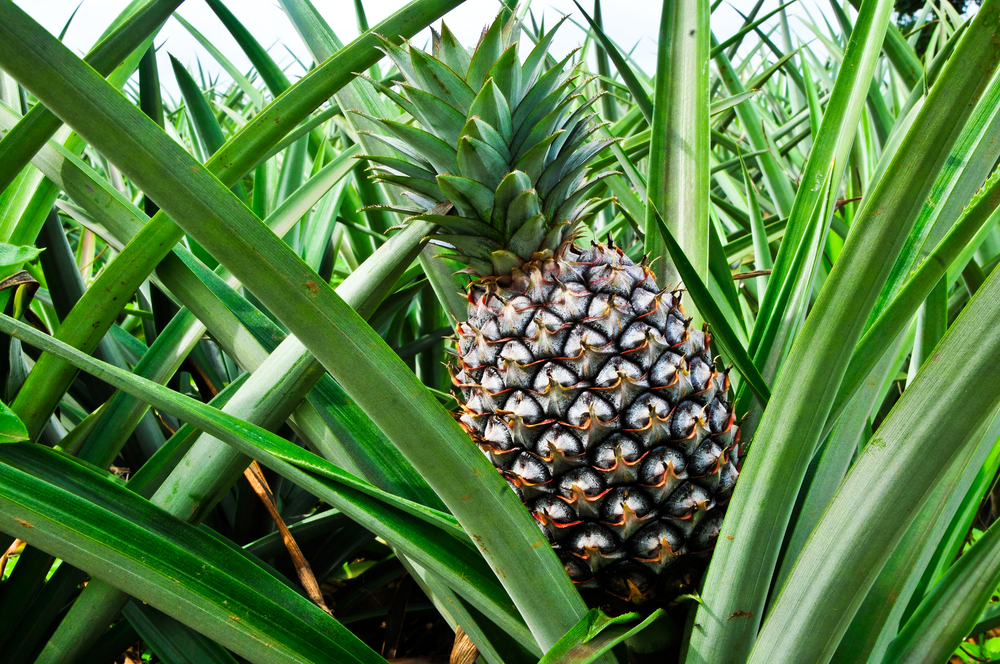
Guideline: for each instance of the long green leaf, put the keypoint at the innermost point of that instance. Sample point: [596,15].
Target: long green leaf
[19,145]
[877,620]
[886,487]
[595,634]
[678,169]
[631,81]
[897,315]
[710,310]
[807,385]
[95,524]
[952,608]
[421,539]
[379,382]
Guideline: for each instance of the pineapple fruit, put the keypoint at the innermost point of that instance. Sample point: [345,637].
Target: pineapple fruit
[581,379]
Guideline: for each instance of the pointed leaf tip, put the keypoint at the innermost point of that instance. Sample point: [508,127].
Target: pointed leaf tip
[12,430]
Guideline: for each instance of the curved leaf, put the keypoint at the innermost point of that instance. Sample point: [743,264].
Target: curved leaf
[740,574]
[713,315]
[11,428]
[891,479]
[595,634]
[95,524]
[389,515]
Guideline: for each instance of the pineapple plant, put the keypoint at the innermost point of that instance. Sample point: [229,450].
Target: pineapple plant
[581,378]
[590,415]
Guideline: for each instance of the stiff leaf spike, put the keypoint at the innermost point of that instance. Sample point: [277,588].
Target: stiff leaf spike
[452,53]
[583,211]
[458,225]
[534,64]
[532,133]
[528,238]
[553,79]
[577,122]
[440,154]
[579,188]
[506,74]
[511,24]
[579,140]
[480,161]
[491,106]
[524,206]
[436,78]
[413,186]
[570,162]
[533,161]
[512,185]
[475,265]
[479,247]
[401,101]
[480,130]
[571,185]
[487,52]
[556,236]
[435,43]
[399,57]
[440,118]
[402,147]
[478,196]
[576,129]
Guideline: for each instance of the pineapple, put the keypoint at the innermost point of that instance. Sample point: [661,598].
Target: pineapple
[581,379]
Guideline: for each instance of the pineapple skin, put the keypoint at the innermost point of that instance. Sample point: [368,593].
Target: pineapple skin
[581,380]
[586,388]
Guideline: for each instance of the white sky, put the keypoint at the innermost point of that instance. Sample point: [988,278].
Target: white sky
[628,22]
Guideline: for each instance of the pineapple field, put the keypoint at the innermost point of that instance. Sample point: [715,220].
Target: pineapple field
[513,346]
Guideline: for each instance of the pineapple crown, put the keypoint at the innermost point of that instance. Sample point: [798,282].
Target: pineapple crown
[499,159]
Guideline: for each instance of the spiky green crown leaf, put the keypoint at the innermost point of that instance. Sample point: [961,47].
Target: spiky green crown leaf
[505,143]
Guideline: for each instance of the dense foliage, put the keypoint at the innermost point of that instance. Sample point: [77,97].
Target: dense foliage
[229,308]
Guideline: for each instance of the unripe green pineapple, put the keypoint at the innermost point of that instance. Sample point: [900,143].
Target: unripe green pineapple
[581,379]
